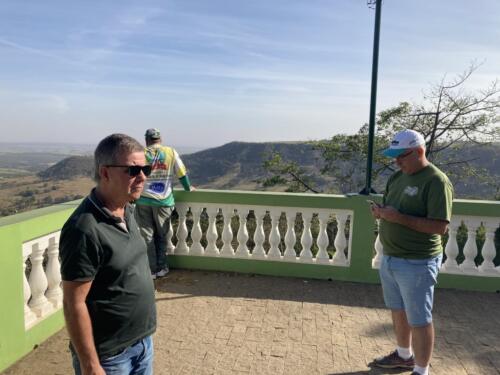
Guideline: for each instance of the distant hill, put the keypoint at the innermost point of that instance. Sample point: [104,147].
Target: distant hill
[29,161]
[51,148]
[238,165]
[69,168]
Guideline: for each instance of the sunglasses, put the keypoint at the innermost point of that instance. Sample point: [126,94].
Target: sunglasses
[404,155]
[134,170]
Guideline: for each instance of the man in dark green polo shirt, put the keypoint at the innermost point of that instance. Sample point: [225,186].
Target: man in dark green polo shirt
[109,302]
[415,213]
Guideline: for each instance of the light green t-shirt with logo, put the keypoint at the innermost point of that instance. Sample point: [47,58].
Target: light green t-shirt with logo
[427,193]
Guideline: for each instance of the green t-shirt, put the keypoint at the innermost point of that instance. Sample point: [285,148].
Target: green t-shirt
[427,193]
[121,301]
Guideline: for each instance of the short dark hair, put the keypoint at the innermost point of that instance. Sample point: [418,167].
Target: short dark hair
[111,147]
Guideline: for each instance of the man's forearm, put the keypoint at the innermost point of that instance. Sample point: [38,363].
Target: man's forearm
[422,224]
[186,184]
[80,332]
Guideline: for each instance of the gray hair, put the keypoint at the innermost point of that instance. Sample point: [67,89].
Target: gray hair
[110,148]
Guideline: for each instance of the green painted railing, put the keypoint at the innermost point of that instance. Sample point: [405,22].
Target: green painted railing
[16,340]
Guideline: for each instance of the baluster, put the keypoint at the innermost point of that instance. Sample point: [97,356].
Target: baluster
[470,248]
[379,249]
[227,233]
[488,251]
[170,234]
[53,270]
[38,283]
[322,241]
[290,237]
[450,265]
[274,235]
[212,234]
[259,236]
[196,233]
[182,232]
[340,242]
[306,240]
[29,315]
[242,236]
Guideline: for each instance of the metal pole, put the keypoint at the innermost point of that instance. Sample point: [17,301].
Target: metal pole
[373,101]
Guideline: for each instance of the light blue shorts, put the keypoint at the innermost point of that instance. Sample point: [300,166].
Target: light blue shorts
[408,284]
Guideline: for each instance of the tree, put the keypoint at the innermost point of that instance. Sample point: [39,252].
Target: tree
[449,117]
[287,173]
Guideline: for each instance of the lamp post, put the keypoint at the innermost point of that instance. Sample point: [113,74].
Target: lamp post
[373,99]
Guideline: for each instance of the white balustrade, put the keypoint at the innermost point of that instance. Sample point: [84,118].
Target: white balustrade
[212,235]
[340,241]
[470,250]
[170,234]
[488,251]
[306,240]
[242,236]
[322,241]
[227,233]
[196,233]
[468,266]
[290,237]
[379,249]
[274,235]
[182,232]
[38,282]
[450,265]
[42,288]
[29,315]
[43,293]
[54,292]
[259,236]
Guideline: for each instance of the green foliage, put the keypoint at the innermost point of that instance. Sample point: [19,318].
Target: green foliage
[449,117]
[286,173]
[480,239]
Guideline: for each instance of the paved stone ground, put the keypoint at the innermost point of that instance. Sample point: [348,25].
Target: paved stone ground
[220,323]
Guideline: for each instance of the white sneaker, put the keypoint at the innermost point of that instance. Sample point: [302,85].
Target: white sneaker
[162,272]
[153,275]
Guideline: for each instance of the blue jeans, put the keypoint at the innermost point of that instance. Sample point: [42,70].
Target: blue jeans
[408,284]
[137,359]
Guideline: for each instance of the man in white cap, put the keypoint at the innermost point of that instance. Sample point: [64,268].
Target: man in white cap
[154,207]
[414,215]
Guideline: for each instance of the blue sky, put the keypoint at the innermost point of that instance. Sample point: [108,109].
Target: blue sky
[207,72]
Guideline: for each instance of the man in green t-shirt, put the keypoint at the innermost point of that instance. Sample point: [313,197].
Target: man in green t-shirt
[109,302]
[414,215]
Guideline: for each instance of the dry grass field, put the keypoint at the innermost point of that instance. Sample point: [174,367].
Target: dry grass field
[24,193]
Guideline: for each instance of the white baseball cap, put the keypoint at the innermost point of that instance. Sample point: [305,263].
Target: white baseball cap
[402,141]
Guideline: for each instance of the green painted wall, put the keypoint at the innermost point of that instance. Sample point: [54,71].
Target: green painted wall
[14,230]
[362,252]
[15,342]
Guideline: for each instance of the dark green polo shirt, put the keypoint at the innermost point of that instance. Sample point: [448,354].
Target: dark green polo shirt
[121,300]
[427,193]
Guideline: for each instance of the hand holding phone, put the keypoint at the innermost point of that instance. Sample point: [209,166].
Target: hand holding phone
[374,206]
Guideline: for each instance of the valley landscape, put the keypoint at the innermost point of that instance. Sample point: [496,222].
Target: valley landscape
[34,179]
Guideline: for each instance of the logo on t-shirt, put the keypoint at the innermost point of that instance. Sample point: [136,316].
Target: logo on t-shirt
[157,187]
[411,190]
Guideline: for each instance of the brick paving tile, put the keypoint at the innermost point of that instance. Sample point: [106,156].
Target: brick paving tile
[224,323]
